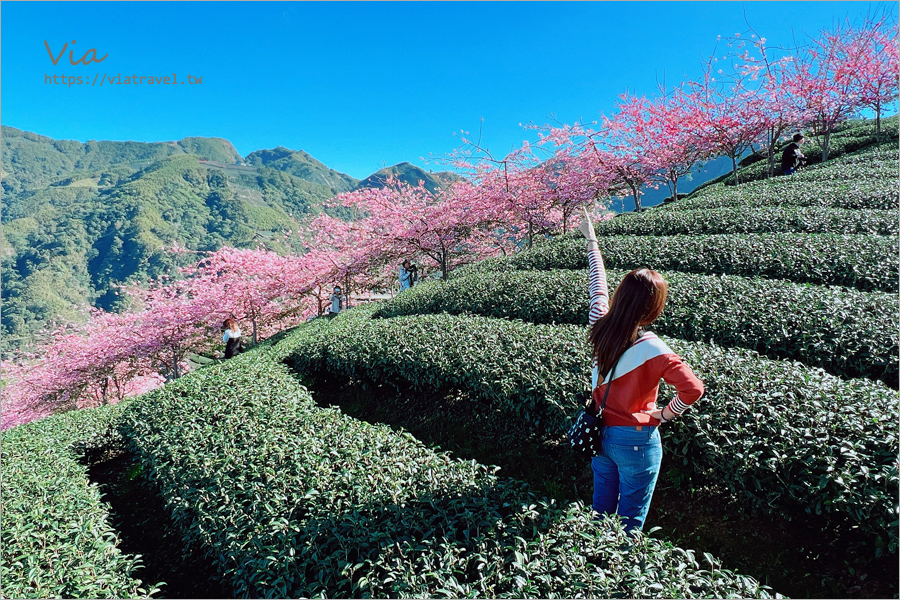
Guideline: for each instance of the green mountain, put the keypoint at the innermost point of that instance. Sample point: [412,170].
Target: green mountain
[81,218]
[32,161]
[410,174]
[302,165]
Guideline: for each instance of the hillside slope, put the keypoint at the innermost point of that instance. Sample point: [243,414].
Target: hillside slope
[32,161]
[785,472]
[783,444]
[302,165]
[409,174]
[81,218]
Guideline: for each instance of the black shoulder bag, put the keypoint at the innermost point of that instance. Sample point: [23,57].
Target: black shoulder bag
[585,435]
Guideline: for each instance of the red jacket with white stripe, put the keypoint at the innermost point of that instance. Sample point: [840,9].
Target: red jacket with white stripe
[635,383]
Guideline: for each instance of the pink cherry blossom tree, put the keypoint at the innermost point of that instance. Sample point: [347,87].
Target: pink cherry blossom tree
[876,71]
[822,82]
[665,134]
[112,355]
[256,285]
[81,365]
[731,115]
[447,227]
[765,71]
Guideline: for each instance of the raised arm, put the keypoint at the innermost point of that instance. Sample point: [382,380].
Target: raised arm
[598,289]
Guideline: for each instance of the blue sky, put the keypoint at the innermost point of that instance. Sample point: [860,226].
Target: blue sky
[363,85]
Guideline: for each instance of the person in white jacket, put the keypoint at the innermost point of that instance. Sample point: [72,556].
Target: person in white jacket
[232,338]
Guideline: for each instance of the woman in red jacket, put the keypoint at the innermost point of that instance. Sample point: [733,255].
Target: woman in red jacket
[630,361]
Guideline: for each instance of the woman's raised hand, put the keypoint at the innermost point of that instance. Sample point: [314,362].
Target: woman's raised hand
[587,228]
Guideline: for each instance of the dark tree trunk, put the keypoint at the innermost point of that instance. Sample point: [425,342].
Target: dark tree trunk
[636,194]
[176,371]
[771,152]
[877,119]
[347,287]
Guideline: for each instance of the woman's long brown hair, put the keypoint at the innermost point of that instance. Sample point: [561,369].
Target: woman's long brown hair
[637,302]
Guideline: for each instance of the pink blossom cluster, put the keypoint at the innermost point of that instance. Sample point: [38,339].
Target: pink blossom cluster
[748,99]
[112,356]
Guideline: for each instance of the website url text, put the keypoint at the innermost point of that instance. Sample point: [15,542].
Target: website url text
[100,79]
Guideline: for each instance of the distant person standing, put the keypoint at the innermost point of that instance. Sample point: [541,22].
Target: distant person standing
[792,159]
[409,274]
[232,338]
[337,301]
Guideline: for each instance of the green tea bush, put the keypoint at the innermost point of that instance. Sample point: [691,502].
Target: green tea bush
[866,262]
[851,194]
[791,436]
[748,219]
[844,331]
[56,536]
[490,356]
[807,440]
[876,167]
[293,500]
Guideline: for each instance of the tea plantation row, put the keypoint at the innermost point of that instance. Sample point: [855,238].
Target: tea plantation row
[56,536]
[293,500]
[867,173]
[866,262]
[288,499]
[774,431]
[855,182]
[844,331]
[873,161]
[850,195]
[747,219]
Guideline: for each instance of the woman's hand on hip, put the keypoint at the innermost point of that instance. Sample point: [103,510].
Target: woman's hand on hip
[658,415]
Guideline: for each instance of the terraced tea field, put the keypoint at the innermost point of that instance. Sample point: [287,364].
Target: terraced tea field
[354,457]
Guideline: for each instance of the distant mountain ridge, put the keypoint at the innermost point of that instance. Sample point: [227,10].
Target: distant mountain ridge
[302,165]
[409,174]
[80,218]
[32,160]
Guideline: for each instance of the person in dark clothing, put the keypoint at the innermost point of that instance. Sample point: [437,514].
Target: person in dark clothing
[232,338]
[792,159]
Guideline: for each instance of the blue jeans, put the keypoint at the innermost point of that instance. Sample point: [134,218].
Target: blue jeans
[625,473]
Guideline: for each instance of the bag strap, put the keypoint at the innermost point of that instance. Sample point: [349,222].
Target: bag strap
[590,401]
[609,385]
